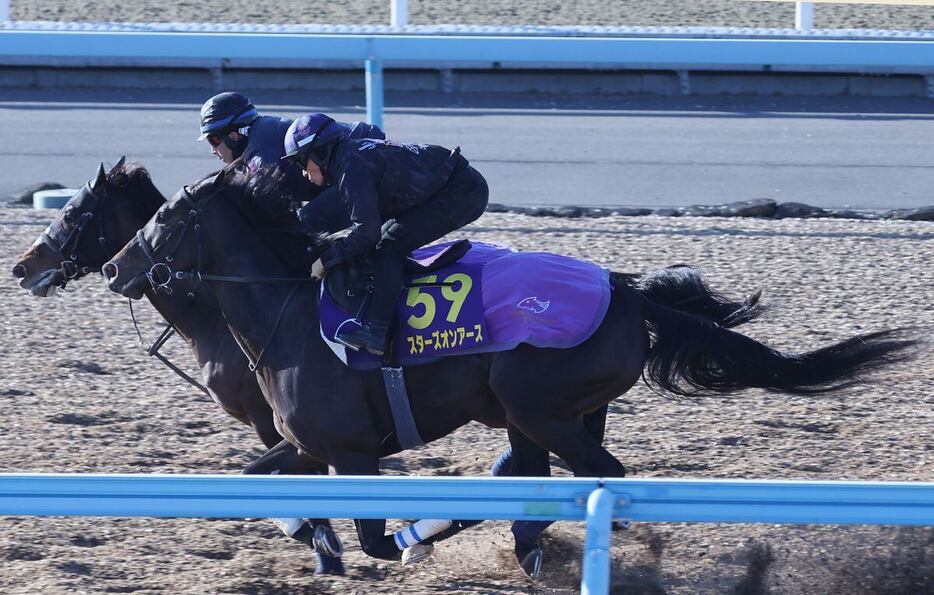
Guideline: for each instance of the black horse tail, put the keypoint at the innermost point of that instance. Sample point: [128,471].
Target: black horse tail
[684,288]
[693,356]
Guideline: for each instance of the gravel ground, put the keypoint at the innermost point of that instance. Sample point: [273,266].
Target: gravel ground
[76,396]
[705,13]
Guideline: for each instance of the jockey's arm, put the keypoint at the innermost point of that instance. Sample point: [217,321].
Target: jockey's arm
[357,188]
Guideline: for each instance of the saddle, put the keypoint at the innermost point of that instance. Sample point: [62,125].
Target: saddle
[464,297]
[349,284]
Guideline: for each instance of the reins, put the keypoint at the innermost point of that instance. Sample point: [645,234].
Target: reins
[160,274]
[153,350]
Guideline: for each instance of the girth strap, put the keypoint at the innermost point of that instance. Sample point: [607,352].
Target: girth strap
[402,418]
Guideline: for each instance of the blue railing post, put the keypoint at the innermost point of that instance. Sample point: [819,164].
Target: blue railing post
[374,91]
[596,572]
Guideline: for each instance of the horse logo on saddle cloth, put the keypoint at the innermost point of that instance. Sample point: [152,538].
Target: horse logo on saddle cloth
[462,297]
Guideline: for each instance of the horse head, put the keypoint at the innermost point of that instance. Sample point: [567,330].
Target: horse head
[89,229]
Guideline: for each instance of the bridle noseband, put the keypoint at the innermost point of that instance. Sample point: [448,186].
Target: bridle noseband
[63,242]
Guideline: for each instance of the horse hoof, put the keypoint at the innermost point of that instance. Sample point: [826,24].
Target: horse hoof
[327,542]
[328,565]
[531,561]
[416,553]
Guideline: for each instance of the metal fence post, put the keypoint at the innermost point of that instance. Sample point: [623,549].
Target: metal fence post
[4,10]
[804,16]
[399,13]
[596,573]
[374,91]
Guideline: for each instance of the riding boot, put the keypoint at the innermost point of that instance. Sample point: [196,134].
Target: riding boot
[373,333]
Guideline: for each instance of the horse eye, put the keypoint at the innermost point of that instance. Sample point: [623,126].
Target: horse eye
[68,213]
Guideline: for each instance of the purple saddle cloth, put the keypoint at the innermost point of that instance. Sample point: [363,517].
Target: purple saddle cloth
[492,299]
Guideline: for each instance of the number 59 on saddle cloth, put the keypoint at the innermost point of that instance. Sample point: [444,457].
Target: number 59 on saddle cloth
[491,299]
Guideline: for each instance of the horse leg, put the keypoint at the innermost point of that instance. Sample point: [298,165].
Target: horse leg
[317,534]
[503,467]
[528,460]
[371,532]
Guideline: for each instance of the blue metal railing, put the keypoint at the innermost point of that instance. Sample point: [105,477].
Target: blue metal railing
[592,500]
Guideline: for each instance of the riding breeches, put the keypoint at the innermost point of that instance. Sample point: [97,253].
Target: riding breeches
[459,202]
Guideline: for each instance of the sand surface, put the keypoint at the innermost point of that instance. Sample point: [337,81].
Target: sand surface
[826,279]
[703,13]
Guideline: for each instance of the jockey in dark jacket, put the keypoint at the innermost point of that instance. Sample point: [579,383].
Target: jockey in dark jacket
[235,130]
[398,196]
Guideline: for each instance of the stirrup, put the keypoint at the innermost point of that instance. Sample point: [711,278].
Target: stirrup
[337,333]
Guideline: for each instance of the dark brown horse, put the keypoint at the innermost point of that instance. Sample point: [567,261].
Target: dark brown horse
[541,396]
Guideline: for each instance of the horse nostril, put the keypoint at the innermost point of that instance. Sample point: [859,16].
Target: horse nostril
[109,271]
[19,271]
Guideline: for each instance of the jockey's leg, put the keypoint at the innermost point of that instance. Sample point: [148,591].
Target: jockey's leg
[460,201]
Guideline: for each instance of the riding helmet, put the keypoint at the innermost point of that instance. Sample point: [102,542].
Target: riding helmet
[313,137]
[224,112]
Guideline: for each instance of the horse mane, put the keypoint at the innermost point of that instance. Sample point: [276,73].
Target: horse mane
[265,199]
[134,178]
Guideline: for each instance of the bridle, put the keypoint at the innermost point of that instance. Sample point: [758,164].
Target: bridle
[62,241]
[160,274]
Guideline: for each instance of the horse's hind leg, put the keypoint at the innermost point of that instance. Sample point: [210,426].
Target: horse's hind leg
[504,467]
[528,460]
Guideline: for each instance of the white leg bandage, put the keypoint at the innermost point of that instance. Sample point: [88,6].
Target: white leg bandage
[419,531]
[288,526]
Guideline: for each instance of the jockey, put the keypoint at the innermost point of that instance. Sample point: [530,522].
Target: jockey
[398,197]
[234,129]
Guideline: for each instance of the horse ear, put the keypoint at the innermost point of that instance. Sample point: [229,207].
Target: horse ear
[118,165]
[101,177]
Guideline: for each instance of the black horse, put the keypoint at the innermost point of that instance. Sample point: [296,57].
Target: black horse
[540,395]
[90,229]
[103,217]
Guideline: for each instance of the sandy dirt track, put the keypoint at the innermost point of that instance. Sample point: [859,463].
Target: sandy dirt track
[76,396]
[701,13]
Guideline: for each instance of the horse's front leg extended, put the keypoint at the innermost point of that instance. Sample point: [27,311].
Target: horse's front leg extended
[318,534]
[370,532]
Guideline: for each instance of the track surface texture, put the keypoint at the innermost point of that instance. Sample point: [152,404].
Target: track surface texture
[77,396]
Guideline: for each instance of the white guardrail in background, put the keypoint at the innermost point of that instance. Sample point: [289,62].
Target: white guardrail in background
[596,501]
